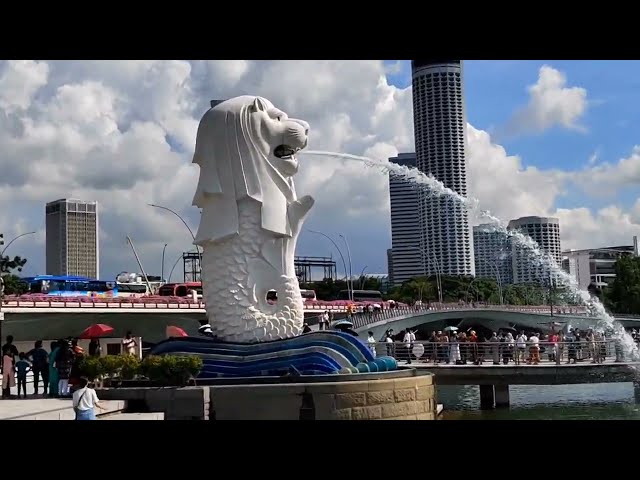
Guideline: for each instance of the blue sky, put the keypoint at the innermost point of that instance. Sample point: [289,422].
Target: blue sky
[494,89]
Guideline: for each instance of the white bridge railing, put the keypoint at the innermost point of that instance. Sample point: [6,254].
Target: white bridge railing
[360,318]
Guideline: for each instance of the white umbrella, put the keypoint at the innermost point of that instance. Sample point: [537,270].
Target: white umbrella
[451,329]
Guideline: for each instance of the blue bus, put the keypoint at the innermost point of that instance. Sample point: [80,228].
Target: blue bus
[70,286]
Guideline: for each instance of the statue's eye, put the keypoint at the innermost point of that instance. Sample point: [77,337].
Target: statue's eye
[279,117]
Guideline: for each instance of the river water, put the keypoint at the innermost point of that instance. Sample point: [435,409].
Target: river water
[604,401]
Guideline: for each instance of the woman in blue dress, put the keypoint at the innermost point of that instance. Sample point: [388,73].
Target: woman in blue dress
[53,372]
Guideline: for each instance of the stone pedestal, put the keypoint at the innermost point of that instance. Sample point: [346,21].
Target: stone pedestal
[399,395]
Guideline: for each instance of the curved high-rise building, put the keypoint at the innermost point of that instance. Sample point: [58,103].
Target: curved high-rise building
[546,233]
[439,121]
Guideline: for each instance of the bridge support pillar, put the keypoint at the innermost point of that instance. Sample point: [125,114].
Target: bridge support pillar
[501,394]
[487,397]
[636,391]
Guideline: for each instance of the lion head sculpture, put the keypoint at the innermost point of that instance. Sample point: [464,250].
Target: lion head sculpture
[246,147]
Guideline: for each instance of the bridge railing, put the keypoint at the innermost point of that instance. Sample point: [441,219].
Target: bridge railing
[502,353]
[363,319]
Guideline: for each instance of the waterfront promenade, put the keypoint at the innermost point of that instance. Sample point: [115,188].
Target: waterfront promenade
[38,407]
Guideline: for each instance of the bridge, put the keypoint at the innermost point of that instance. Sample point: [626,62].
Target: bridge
[492,317]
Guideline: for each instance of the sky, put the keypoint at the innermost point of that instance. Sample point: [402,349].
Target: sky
[544,138]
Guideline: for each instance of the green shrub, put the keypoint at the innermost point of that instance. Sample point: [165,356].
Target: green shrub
[171,369]
[91,367]
[110,366]
[129,367]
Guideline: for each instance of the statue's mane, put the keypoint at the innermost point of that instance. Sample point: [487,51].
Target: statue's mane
[233,167]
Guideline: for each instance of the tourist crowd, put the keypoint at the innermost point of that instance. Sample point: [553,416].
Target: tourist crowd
[503,347]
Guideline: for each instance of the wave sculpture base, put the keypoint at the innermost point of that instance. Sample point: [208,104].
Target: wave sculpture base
[315,353]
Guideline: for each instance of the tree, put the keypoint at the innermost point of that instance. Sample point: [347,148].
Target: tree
[12,283]
[624,294]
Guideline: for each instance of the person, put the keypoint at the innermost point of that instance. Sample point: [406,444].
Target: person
[40,366]
[8,374]
[78,355]
[53,371]
[129,344]
[22,367]
[371,341]
[64,361]
[10,347]
[534,349]
[85,399]
[408,340]
[306,328]
[95,350]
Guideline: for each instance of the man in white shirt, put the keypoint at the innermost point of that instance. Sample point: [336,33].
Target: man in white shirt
[129,344]
[521,346]
[409,338]
[85,400]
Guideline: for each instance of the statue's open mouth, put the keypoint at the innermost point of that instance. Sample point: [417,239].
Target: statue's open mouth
[285,152]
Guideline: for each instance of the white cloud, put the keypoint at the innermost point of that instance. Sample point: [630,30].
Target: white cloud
[122,133]
[551,103]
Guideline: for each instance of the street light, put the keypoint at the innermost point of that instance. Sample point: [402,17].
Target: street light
[466,295]
[163,250]
[339,252]
[344,239]
[13,240]
[186,225]
[438,274]
[362,277]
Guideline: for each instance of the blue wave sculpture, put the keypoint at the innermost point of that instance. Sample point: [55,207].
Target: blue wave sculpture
[315,353]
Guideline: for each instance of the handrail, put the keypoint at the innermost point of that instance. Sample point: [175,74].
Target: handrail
[503,353]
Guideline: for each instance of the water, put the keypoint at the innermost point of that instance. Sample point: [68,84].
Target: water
[604,401]
[536,256]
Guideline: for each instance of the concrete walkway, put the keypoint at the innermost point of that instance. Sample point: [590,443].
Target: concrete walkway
[37,407]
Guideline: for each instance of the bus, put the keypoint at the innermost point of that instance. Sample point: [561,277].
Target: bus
[180,289]
[70,286]
[361,295]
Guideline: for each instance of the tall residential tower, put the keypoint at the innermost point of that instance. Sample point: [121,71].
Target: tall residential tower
[546,232]
[440,139]
[405,260]
[72,246]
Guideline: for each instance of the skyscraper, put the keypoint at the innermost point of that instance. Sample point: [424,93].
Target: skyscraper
[492,254]
[440,138]
[546,232]
[72,246]
[406,253]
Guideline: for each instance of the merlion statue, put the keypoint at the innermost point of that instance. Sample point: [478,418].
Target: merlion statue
[251,218]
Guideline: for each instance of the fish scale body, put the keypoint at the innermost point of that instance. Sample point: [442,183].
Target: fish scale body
[227,294]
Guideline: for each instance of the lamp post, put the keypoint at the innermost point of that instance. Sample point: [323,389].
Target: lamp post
[186,225]
[162,270]
[344,239]
[362,277]
[339,252]
[13,240]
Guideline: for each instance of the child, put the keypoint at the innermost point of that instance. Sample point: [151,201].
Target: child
[8,374]
[22,367]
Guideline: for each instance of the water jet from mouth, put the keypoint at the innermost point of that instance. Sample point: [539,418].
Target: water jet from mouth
[435,188]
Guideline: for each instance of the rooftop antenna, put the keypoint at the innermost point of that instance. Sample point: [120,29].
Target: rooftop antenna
[146,280]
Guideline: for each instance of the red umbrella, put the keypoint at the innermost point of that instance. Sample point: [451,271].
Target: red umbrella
[176,332]
[97,330]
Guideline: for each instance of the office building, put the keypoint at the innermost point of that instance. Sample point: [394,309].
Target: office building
[72,246]
[406,254]
[594,266]
[440,139]
[527,267]
[492,254]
